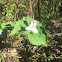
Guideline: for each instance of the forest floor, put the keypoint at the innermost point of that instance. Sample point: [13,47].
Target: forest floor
[19,49]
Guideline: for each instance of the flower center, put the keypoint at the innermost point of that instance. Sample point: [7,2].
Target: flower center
[32,26]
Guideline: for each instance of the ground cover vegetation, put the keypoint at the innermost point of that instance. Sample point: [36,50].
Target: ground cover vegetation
[30,31]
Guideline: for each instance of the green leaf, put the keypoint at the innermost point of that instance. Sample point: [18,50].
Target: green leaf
[3,25]
[13,4]
[39,23]
[47,2]
[12,24]
[17,27]
[15,0]
[8,11]
[3,13]
[23,32]
[28,19]
[22,24]
[39,38]
[21,5]
[11,16]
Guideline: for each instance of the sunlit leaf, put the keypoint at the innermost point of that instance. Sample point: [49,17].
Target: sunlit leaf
[3,25]
[17,27]
[39,38]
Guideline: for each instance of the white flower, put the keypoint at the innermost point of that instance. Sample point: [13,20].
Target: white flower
[1,31]
[7,22]
[23,18]
[32,27]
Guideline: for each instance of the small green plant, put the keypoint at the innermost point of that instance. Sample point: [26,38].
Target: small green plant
[36,32]
[4,27]
[2,57]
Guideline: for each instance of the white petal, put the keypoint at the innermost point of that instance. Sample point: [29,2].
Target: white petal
[34,30]
[28,28]
[0,33]
[7,22]
[33,23]
[23,18]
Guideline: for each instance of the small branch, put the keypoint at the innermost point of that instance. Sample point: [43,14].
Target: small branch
[41,47]
[32,15]
[58,34]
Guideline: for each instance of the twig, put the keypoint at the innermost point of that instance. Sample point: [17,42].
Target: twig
[41,47]
[32,15]
[58,34]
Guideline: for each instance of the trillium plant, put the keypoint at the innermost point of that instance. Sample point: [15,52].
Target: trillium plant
[36,32]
